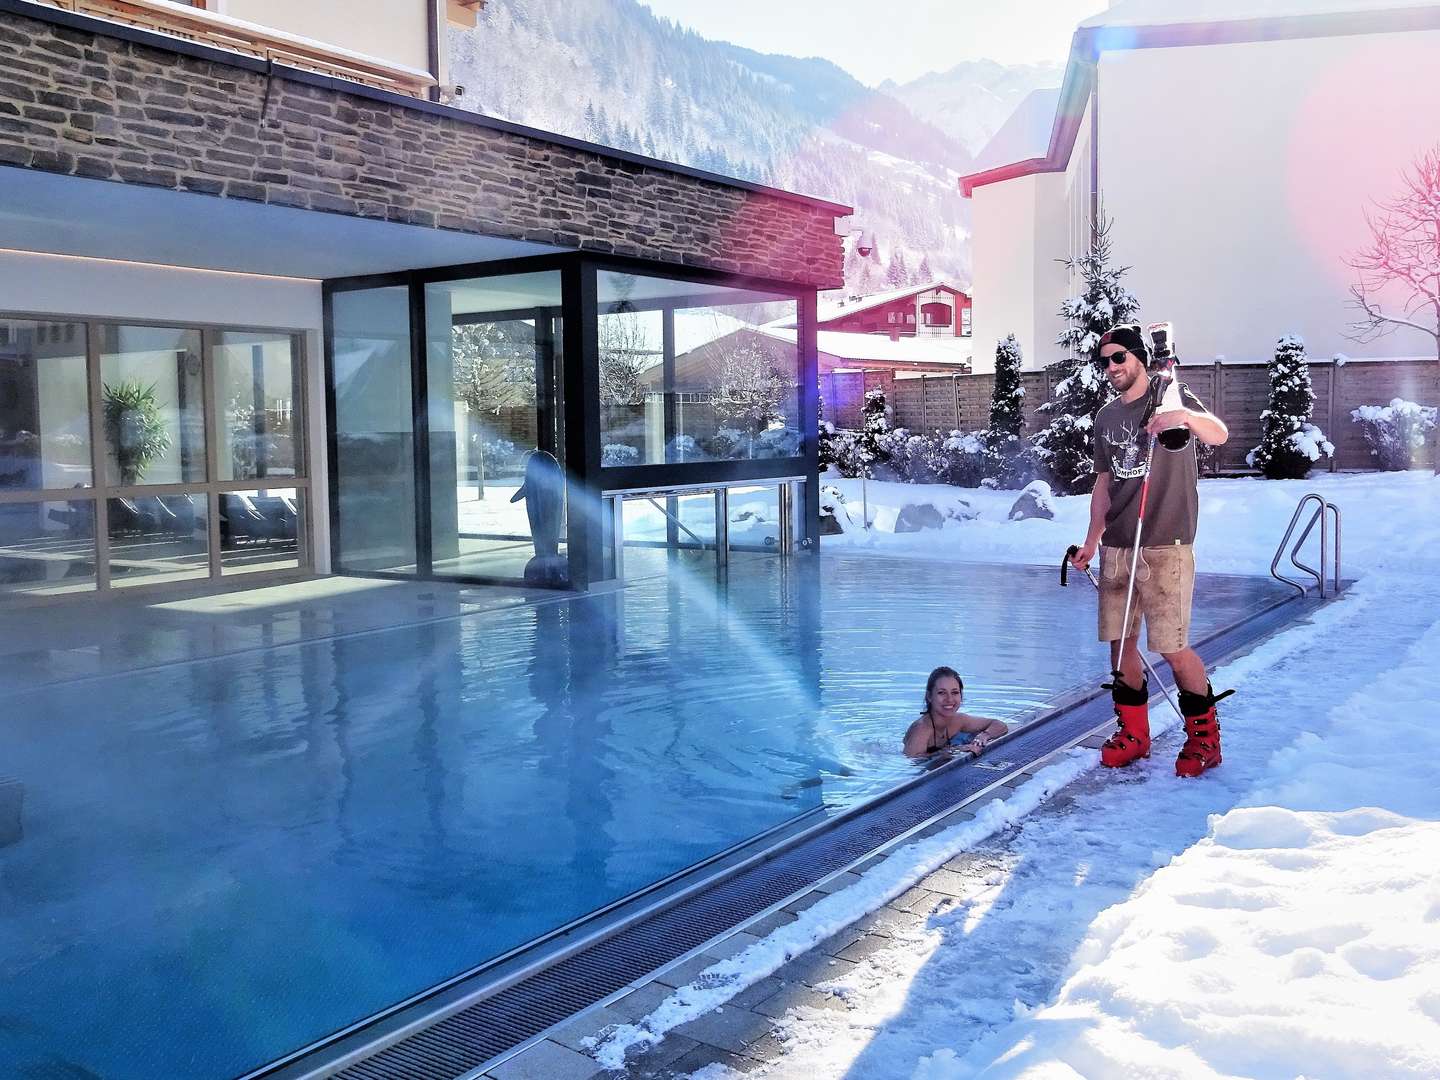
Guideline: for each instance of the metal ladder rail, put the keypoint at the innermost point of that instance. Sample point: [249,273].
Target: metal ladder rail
[1322,512]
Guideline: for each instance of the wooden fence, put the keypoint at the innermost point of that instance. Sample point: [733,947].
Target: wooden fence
[1235,392]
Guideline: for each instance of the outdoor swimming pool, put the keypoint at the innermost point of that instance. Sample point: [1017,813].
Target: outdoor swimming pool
[225,860]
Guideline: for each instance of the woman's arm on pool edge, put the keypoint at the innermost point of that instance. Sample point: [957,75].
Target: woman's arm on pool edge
[917,739]
[986,730]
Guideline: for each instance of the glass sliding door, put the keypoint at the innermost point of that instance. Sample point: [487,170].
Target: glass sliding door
[257,389]
[497,493]
[374,451]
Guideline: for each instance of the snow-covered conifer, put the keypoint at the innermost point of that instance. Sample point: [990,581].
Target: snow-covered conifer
[1289,442]
[1066,444]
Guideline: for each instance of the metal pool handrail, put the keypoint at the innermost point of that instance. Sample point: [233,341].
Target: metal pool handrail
[1323,508]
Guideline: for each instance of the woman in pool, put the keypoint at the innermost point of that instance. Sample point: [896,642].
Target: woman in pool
[942,724]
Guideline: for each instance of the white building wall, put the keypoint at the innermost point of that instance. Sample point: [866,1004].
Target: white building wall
[393,30]
[1239,175]
[107,289]
[1004,258]
[1052,278]
[1024,230]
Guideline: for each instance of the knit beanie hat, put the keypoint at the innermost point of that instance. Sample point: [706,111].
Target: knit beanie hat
[1127,334]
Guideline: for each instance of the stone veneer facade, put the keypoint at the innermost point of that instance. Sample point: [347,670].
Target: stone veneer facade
[76,100]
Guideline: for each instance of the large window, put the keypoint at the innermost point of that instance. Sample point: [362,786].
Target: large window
[138,454]
[695,372]
[374,432]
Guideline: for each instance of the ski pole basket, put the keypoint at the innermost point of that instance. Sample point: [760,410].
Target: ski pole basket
[1321,512]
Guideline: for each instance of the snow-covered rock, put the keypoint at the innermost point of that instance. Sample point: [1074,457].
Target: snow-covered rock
[1034,502]
[916,516]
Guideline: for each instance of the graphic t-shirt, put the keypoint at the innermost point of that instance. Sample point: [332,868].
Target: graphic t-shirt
[1173,506]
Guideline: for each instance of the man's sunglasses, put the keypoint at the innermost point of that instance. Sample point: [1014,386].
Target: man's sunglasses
[1114,358]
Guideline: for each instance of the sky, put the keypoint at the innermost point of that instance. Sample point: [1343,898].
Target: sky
[917,36]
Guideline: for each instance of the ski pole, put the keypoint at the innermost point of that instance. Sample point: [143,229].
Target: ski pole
[1064,580]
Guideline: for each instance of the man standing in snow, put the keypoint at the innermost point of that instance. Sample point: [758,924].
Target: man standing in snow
[1165,572]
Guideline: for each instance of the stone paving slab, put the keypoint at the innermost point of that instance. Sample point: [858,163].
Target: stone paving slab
[772,922]
[867,946]
[835,884]
[657,1063]
[803,901]
[728,1027]
[573,1033]
[546,1061]
[797,996]
[689,971]
[640,1002]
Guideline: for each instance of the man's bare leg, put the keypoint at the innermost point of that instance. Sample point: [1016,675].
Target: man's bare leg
[1189,670]
[1129,664]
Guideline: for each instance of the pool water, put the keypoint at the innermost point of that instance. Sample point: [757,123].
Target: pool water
[226,860]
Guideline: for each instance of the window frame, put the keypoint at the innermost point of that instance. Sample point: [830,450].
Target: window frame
[100,492]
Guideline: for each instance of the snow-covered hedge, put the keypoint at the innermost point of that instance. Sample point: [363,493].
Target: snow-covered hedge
[616,455]
[1396,432]
[959,458]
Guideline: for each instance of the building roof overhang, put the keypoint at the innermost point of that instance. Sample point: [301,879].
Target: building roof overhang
[1109,32]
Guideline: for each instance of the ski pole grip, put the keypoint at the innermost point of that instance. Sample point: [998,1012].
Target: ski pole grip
[1065,564]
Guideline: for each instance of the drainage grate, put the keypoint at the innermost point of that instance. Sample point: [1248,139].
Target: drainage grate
[473,1036]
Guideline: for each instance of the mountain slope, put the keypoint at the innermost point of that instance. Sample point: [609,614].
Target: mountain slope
[612,72]
[973,99]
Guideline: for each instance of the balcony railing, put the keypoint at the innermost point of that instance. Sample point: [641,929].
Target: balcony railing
[234,35]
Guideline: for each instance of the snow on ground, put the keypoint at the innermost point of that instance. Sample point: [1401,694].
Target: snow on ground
[1278,917]
[754,515]
[1241,520]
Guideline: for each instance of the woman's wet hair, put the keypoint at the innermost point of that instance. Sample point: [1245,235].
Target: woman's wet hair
[935,676]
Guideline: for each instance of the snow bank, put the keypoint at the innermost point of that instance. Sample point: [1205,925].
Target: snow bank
[1300,938]
[1389,518]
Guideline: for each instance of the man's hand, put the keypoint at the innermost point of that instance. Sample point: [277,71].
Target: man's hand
[1166,420]
[1083,554]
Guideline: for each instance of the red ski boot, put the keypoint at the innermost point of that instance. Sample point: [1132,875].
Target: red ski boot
[1132,712]
[1202,732]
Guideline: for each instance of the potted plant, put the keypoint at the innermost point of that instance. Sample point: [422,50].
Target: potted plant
[135,429]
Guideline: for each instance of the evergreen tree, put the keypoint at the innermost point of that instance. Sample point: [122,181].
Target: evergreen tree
[1010,459]
[1066,444]
[875,426]
[897,274]
[865,284]
[925,274]
[1006,418]
[1289,442]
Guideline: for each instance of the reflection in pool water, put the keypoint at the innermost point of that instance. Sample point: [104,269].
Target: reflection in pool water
[246,853]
